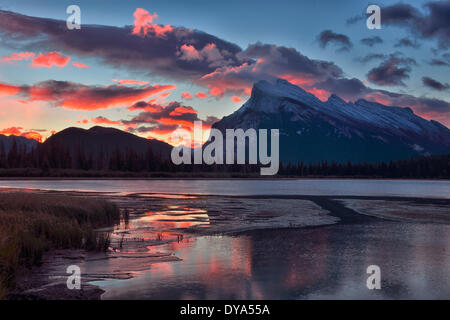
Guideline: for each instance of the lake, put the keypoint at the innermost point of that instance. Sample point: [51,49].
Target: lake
[332,187]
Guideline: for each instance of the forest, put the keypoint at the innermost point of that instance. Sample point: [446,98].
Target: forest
[58,160]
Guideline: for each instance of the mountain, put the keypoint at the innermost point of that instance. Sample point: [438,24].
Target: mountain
[107,140]
[312,130]
[6,142]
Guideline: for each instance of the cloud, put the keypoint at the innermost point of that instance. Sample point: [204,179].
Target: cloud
[391,72]
[18,131]
[433,24]
[158,129]
[186,95]
[200,95]
[47,59]
[434,84]
[15,131]
[33,135]
[117,46]
[9,90]
[236,99]
[348,89]
[18,56]
[327,36]
[407,42]
[163,120]
[371,41]
[143,24]
[50,59]
[103,120]
[267,62]
[189,53]
[131,82]
[210,54]
[370,57]
[80,65]
[82,97]
[438,62]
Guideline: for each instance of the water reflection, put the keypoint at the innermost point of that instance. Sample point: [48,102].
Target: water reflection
[166,196]
[175,218]
[325,262]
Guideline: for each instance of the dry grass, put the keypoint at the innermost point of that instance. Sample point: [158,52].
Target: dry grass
[32,223]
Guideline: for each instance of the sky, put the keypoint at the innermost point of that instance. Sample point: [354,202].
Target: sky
[150,67]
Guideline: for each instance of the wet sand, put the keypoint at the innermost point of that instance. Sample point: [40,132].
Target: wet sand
[257,247]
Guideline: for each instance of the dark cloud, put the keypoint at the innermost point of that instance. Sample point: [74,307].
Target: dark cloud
[327,36]
[157,128]
[349,89]
[400,14]
[370,57]
[446,56]
[407,42]
[371,41]
[267,62]
[434,84]
[180,54]
[118,47]
[285,60]
[392,71]
[355,19]
[435,23]
[431,23]
[419,104]
[164,118]
[438,62]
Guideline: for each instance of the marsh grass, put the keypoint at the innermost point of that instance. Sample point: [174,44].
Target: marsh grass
[32,223]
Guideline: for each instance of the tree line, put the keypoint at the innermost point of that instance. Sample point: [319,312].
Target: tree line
[53,157]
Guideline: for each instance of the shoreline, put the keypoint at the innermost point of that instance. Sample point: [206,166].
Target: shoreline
[213,178]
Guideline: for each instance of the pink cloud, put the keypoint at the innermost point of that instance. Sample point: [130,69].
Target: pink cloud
[18,131]
[80,65]
[82,97]
[18,56]
[50,59]
[131,82]
[216,91]
[236,99]
[186,95]
[143,24]
[103,120]
[9,90]
[189,53]
[200,95]
[210,53]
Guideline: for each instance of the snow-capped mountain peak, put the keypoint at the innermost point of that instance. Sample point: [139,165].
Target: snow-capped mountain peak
[335,129]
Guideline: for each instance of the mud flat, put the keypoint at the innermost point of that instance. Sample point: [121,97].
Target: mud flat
[173,246]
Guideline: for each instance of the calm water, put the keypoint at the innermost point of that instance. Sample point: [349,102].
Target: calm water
[405,188]
[321,263]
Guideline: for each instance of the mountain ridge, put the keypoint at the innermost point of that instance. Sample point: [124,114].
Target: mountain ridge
[106,139]
[6,142]
[348,131]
